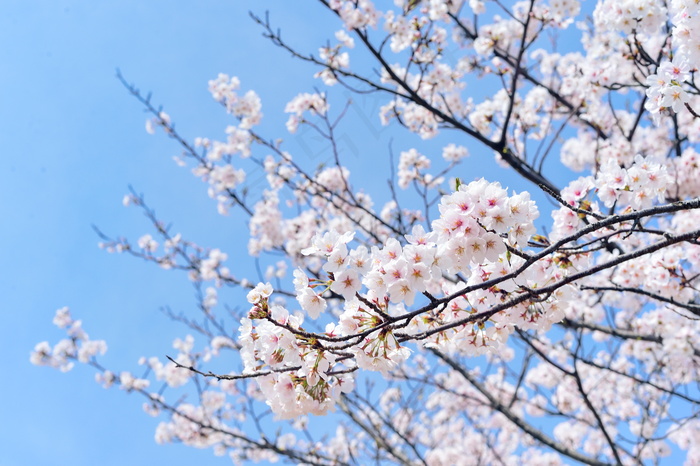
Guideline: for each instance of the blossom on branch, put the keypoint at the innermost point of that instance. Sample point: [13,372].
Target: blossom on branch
[477,330]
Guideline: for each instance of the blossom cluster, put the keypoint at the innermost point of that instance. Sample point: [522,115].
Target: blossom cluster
[314,103]
[410,165]
[246,107]
[477,226]
[297,380]
[637,186]
[77,347]
[356,14]
[666,87]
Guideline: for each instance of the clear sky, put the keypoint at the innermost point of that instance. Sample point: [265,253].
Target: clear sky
[72,140]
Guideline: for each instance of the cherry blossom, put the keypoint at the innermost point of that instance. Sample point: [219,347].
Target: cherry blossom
[547,319]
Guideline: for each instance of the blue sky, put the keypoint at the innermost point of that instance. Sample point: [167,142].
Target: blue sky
[72,140]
